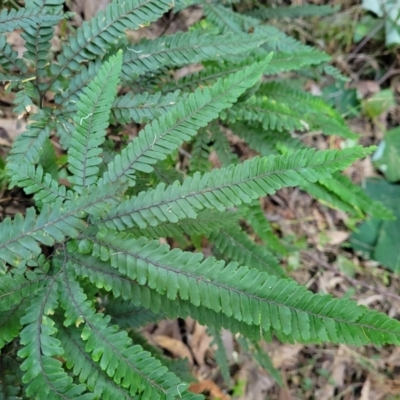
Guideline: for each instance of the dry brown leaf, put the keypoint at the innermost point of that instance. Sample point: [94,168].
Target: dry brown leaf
[366,390]
[199,342]
[208,386]
[13,127]
[337,237]
[174,346]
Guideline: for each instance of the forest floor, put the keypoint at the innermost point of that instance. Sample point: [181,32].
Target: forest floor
[322,262]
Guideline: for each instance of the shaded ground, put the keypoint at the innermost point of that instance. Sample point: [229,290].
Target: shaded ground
[322,263]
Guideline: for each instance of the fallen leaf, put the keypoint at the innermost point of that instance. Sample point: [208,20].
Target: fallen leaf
[174,346]
[208,386]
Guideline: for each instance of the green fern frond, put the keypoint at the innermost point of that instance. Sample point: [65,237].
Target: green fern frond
[9,60]
[245,294]
[227,187]
[254,215]
[337,192]
[220,354]
[68,96]
[14,288]
[271,115]
[126,315]
[41,349]
[38,39]
[20,237]
[143,107]
[168,132]
[305,10]
[25,18]
[342,186]
[200,152]
[316,113]
[91,122]
[229,21]
[184,48]
[237,246]
[10,325]
[262,357]
[295,60]
[206,223]
[45,188]
[221,146]
[84,367]
[27,147]
[102,32]
[130,365]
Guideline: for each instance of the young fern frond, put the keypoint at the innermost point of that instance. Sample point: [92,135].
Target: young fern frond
[184,48]
[168,132]
[126,363]
[226,187]
[91,121]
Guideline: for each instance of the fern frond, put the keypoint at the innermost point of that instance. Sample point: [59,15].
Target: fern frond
[221,146]
[38,39]
[245,294]
[168,132]
[342,186]
[143,107]
[316,113]
[9,60]
[206,223]
[237,246]
[20,237]
[27,147]
[127,315]
[220,354]
[229,21]
[261,357]
[339,197]
[70,95]
[10,378]
[91,122]
[45,374]
[200,152]
[254,216]
[84,367]
[184,48]
[25,18]
[227,187]
[98,35]
[14,288]
[45,188]
[271,115]
[130,365]
[305,10]
[10,325]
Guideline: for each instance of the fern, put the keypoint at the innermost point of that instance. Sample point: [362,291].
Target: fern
[83,267]
[309,10]
[184,48]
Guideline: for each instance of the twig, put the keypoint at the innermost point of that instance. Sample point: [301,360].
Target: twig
[354,282]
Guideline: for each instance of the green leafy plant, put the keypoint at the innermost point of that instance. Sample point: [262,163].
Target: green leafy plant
[84,267]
